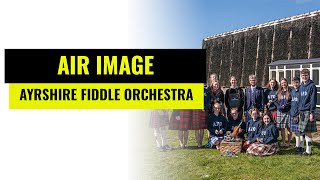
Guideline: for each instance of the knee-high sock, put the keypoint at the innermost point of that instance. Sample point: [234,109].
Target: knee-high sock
[157,136]
[164,136]
[298,143]
[309,144]
[301,140]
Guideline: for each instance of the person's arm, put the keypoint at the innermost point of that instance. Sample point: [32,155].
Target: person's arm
[313,99]
[272,138]
[245,100]
[262,100]
[226,100]
[241,98]
[243,127]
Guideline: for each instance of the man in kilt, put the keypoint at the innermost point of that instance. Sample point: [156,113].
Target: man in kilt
[307,106]
[294,114]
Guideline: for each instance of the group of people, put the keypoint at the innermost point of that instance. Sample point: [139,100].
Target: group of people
[256,114]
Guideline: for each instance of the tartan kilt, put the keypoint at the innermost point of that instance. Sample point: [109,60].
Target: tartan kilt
[283,120]
[305,125]
[184,123]
[293,126]
[258,149]
[159,119]
[199,120]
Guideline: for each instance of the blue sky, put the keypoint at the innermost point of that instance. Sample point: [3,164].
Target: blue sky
[183,24]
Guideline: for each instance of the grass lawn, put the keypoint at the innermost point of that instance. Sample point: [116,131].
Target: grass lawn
[194,163]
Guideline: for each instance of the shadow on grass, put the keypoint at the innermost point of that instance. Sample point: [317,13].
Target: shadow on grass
[292,150]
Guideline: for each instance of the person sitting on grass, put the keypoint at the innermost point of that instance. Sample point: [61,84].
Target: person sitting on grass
[235,121]
[252,127]
[217,125]
[266,143]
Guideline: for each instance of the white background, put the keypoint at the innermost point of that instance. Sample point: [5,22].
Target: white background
[63,144]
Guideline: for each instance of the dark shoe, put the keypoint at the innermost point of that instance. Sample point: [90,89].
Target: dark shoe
[299,149]
[306,154]
[166,148]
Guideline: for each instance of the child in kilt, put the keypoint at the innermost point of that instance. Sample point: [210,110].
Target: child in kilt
[294,114]
[307,106]
[199,119]
[270,96]
[159,120]
[283,103]
[266,142]
[217,126]
[180,120]
[252,128]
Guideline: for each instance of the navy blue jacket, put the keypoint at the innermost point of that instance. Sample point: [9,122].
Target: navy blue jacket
[295,96]
[258,99]
[283,105]
[207,99]
[270,95]
[216,123]
[232,123]
[308,97]
[240,93]
[269,133]
[252,130]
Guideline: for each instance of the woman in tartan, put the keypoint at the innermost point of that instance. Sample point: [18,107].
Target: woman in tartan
[283,104]
[159,120]
[294,114]
[199,119]
[180,120]
[266,143]
[307,106]
[270,96]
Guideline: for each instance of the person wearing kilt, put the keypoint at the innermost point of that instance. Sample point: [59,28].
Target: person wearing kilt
[283,103]
[294,114]
[252,128]
[270,96]
[180,120]
[266,143]
[234,98]
[159,120]
[307,106]
[199,119]
[217,126]
[254,97]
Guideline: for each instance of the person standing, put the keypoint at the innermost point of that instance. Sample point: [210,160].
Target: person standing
[234,98]
[294,115]
[270,96]
[180,120]
[254,97]
[307,106]
[159,120]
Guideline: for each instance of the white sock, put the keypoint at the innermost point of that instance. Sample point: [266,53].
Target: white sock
[157,136]
[164,136]
[308,144]
[297,140]
[301,141]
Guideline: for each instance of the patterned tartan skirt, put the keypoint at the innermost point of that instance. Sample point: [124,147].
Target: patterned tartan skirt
[159,118]
[293,126]
[305,125]
[258,149]
[199,120]
[184,123]
[283,120]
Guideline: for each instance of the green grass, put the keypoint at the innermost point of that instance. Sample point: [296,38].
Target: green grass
[194,163]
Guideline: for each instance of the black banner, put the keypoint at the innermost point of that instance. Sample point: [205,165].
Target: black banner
[131,66]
